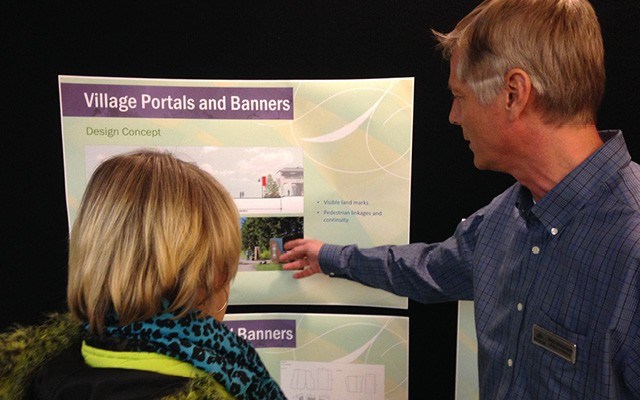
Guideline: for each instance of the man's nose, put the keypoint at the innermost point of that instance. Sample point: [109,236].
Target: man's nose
[453,116]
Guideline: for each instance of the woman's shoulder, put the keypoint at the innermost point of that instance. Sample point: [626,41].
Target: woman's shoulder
[34,344]
[24,349]
[48,353]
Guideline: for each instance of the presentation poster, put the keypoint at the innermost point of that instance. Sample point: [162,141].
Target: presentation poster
[329,356]
[467,384]
[329,160]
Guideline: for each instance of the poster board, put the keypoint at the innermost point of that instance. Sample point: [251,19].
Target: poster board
[329,356]
[329,158]
[467,385]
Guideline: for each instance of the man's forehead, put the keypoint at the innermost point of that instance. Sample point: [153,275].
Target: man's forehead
[453,82]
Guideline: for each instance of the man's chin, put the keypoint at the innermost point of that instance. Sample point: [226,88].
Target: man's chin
[481,164]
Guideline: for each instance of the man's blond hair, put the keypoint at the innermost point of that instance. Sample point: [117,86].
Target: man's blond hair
[558,43]
[150,227]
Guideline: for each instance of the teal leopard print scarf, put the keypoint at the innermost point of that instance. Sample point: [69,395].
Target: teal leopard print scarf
[205,343]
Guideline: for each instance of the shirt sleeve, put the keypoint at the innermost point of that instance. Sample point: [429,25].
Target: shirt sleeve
[423,272]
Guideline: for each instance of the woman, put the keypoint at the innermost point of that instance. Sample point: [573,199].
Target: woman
[152,252]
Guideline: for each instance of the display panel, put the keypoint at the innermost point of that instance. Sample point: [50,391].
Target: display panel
[328,356]
[329,160]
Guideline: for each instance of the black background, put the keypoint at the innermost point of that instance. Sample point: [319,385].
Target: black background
[256,40]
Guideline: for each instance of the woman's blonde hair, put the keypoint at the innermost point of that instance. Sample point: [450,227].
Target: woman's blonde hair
[557,42]
[150,227]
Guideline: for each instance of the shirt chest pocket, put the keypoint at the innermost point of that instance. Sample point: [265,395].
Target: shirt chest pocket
[567,293]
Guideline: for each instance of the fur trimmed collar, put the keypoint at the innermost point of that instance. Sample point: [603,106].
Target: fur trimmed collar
[24,349]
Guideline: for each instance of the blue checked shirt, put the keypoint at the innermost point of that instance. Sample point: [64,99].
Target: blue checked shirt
[565,270]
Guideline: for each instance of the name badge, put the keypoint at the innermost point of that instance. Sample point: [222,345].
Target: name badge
[554,343]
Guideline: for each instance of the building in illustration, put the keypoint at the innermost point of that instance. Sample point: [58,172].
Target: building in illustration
[290,181]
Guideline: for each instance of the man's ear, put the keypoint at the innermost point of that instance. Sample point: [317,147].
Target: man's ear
[518,92]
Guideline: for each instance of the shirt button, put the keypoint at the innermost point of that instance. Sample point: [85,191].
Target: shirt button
[535,250]
[510,362]
[520,307]
[554,231]
[332,274]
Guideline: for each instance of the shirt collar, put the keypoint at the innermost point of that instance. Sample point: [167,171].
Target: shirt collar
[572,193]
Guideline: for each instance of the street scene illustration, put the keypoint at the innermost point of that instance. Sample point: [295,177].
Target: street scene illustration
[266,183]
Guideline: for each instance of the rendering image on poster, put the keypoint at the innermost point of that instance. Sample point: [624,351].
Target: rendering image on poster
[329,160]
[236,168]
[467,386]
[328,356]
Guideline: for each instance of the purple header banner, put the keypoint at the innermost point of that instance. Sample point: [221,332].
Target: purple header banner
[133,101]
[267,332]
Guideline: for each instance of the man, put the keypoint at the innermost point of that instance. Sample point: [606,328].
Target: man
[553,263]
